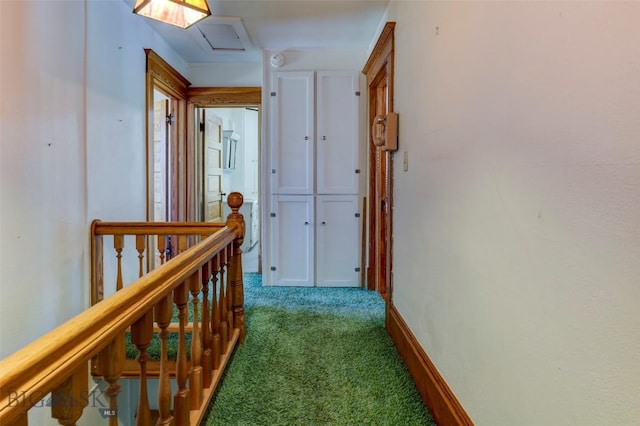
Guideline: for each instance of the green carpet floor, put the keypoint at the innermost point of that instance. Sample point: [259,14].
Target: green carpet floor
[315,356]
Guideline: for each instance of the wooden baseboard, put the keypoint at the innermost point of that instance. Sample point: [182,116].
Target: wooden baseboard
[435,392]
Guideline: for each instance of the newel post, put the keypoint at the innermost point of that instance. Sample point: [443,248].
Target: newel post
[236,220]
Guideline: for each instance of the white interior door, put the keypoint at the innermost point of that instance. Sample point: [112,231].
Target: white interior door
[212,168]
[293,131]
[337,225]
[338,135]
[292,245]
[160,165]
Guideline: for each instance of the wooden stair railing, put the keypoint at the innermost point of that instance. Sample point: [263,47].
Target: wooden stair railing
[57,363]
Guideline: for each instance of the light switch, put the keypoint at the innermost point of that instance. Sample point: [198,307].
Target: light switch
[406,160]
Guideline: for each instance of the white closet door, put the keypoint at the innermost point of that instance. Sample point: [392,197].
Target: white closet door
[250,140]
[292,240]
[337,245]
[338,135]
[292,160]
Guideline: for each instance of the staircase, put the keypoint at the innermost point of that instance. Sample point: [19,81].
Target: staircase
[202,273]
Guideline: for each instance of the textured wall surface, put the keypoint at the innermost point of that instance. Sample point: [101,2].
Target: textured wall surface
[72,149]
[517,225]
[43,181]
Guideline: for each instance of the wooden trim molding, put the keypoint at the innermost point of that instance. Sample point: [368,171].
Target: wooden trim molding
[380,52]
[224,96]
[162,76]
[208,97]
[171,80]
[379,71]
[442,403]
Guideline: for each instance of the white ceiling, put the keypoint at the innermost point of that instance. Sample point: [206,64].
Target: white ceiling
[238,30]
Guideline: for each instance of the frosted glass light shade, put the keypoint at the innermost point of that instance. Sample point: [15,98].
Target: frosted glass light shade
[181,13]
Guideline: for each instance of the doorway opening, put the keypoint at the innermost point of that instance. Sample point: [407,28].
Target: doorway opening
[230,149]
[379,70]
[161,157]
[232,152]
[165,93]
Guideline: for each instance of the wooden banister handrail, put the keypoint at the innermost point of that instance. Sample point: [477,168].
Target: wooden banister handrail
[41,366]
[156,228]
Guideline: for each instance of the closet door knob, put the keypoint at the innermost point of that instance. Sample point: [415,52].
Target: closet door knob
[324,223]
[306,138]
[324,138]
[306,223]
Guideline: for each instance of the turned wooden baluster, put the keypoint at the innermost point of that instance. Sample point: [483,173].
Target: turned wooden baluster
[141,335]
[230,324]
[195,373]
[181,398]
[162,313]
[69,399]
[118,245]
[235,201]
[224,326]
[140,246]
[182,243]
[215,314]
[206,326]
[111,360]
[237,296]
[162,248]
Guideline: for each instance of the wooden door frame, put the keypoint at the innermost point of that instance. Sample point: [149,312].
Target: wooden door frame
[380,61]
[213,97]
[201,172]
[163,77]
[216,97]
[160,75]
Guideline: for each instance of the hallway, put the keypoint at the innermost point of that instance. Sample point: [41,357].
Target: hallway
[316,356]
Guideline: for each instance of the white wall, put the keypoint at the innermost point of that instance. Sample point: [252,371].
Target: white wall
[72,149]
[43,178]
[517,226]
[115,108]
[225,74]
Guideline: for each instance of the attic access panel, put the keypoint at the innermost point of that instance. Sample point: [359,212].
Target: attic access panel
[221,34]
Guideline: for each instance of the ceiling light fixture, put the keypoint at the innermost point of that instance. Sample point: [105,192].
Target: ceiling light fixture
[181,13]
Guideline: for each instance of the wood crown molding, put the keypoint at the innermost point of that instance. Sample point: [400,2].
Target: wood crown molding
[381,50]
[224,96]
[166,75]
[442,403]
